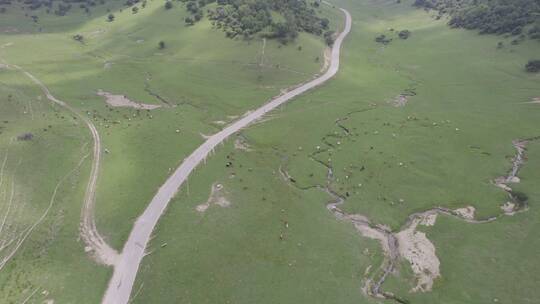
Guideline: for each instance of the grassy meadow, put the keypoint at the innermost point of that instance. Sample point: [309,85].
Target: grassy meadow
[277,243]
[203,81]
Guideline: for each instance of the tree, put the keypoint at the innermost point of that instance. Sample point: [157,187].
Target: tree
[110,18]
[161,45]
[487,16]
[533,66]
[383,39]
[78,37]
[404,34]
[329,37]
[135,10]
[189,21]
[168,5]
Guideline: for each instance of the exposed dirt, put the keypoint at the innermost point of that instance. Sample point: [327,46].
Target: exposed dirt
[509,208]
[240,143]
[327,54]
[400,101]
[408,243]
[466,212]
[415,247]
[122,101]
[217,197]
[535,100]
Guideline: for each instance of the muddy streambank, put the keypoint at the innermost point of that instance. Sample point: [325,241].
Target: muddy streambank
[407,243]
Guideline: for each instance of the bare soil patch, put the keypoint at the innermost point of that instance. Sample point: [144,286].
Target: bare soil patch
[416,248]
[535,100]
[217,197]
[327,57]
[123,101]
[466,212]
[241,144]
[400,100]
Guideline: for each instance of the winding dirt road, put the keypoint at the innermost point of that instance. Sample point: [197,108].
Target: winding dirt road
[127,265]
[93,240]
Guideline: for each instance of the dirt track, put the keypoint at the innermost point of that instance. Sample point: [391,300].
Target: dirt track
[125,271]
[93,240]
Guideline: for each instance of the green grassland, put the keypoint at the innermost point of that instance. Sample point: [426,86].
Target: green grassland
[32,171]
[442,149]
[204,77]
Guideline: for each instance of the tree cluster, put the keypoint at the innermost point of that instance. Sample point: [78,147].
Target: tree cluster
[490,16]
[247,18]
[533,66]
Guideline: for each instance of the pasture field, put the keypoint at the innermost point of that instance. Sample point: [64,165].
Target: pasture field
[41,183]
[201,80]
[277,243]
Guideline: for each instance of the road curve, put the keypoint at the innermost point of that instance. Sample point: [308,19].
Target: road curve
[89,233]
[127,264]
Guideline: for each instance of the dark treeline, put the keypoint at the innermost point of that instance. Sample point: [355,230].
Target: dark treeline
[60,8]
[515,17]
[247,18]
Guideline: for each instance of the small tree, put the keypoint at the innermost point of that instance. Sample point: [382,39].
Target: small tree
[168,5]
[533,66]
[79,38]
[161,45]
[329,37]
[135,10]
[110,18]
[404,34]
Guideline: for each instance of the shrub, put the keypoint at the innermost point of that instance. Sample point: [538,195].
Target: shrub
[404,34]
[533,66]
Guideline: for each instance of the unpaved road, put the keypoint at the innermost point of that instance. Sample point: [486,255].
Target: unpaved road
[126,267]
[93,240]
